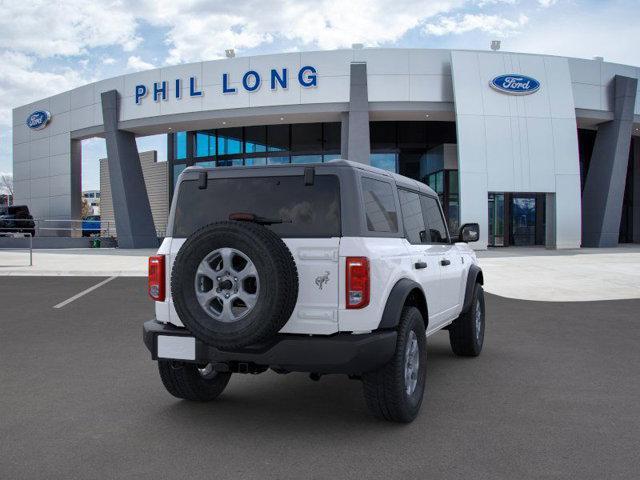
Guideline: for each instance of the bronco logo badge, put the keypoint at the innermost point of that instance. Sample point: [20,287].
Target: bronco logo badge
[322,279]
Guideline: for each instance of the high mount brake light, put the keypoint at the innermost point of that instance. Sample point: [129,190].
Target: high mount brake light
[357,282]
[156,285]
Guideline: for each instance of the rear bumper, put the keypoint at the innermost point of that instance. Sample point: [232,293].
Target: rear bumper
[339,353]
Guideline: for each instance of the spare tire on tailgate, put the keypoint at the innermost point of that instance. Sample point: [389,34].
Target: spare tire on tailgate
[234,284]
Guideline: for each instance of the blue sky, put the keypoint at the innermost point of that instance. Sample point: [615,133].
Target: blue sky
[49,48]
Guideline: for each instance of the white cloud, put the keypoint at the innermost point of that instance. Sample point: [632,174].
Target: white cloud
[491,24]
[547,3]
[21,83]
[587,37]
[323,24]
[108,61]
[71,27]
[136,63]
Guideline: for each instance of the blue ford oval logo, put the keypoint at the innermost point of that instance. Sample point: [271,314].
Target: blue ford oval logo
[515,84]
[38,119]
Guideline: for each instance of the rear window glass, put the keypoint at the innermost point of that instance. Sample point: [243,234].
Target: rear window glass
[306,211]
[379,206]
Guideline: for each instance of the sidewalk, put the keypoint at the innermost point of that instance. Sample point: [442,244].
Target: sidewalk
[522,273]
[562,275]
[90,262]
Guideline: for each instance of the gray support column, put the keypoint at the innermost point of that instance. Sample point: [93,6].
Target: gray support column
[550,224]
[344,135]
[358,144]
[76,184]
[604,186]
[131,209]
[636,190]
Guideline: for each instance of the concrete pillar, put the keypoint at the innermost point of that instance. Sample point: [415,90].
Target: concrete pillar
[358,143]
[344,135]
[550,225]
[132,211]
[636,190]
[604,187]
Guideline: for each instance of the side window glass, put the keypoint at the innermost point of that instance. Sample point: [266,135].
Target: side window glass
[379,206]
[412,217]
[437,232]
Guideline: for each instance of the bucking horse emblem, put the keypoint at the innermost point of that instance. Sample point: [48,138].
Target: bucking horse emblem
[322,279]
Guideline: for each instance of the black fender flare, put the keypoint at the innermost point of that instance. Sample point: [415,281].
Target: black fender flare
[396,301]
[474,276]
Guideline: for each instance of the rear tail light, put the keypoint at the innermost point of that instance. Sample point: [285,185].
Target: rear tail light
[156,278]
[357,276]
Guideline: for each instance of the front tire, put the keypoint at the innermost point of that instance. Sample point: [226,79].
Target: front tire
[395,391]
[190,382]
[466,333]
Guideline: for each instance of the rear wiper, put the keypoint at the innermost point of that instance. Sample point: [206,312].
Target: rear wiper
[252,217]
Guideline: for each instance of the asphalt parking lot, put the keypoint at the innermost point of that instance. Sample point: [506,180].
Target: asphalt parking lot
[555,394]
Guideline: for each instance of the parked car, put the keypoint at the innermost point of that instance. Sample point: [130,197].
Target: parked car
[17,219]
[91,225]
[330,268]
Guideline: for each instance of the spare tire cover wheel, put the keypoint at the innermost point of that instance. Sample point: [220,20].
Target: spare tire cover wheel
[234,284]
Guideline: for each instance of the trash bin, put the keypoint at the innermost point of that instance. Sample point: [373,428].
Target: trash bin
[95,243]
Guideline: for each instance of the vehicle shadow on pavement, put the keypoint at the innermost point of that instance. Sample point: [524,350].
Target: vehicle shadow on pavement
[282,401]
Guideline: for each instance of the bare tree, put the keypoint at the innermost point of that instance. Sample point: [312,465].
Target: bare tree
[6,186]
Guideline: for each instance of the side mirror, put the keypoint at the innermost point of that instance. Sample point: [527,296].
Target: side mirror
[469,232]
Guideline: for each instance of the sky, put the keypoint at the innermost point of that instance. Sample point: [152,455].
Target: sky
[48,47]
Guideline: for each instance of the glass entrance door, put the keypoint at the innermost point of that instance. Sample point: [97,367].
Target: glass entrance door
[496,220]
[523,220]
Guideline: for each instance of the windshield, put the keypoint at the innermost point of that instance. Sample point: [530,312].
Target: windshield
[305,210]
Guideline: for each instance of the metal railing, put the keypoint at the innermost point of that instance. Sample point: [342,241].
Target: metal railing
[44,227]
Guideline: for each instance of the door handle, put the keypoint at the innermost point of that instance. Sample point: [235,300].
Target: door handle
[420,265]
[444,262]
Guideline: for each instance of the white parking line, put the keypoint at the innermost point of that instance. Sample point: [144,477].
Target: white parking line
[83,293]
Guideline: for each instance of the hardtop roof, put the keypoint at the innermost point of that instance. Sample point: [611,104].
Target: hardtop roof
[399,180]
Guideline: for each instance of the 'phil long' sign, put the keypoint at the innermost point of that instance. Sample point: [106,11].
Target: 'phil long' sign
[251,81]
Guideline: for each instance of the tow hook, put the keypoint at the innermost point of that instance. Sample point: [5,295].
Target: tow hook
[315,376]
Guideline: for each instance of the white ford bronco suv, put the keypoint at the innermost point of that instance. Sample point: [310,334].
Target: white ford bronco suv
[322,268]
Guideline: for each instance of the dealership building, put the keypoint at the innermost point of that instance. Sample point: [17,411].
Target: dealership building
[538,149]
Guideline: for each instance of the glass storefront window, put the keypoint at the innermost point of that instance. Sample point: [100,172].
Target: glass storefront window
[229,141]
[277,160]
[260,145]
[205,144]
[385,161]
[331,133]
[255,161]
[208,164]
[278,138]
[180,146]
[177,170]
[306,137]
[328,158]
[255,139]
[235,162]
[306,158]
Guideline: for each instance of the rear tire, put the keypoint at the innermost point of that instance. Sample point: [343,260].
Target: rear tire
[466,333]
[187,381]
[389,392]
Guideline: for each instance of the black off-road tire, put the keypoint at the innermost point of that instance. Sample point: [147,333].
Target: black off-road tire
[466,335]
[385,389]
[183,380]
[277,291]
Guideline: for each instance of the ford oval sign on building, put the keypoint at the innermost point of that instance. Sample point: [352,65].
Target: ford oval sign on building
[515,84]
[38,119]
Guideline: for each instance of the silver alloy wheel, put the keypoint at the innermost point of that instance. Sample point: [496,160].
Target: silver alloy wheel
[478,319]
[227,285]
[411,363]
[207,372]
